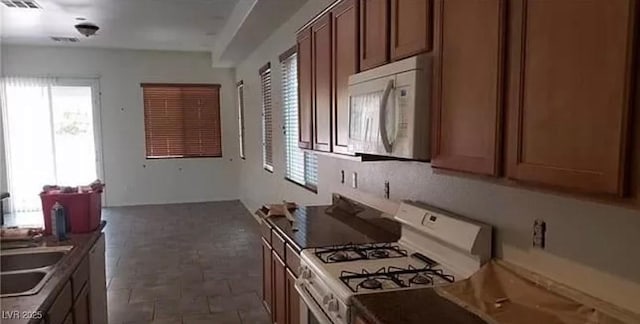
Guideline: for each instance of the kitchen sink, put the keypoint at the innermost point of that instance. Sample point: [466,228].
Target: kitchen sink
[25,271]
[13,262]
[22,283]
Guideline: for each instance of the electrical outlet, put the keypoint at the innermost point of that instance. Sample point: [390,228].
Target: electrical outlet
[354,180]
[386,189]
[539,234]
[342,176]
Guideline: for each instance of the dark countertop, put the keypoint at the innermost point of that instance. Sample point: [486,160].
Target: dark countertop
[41,302]
[318,228]
[412,306]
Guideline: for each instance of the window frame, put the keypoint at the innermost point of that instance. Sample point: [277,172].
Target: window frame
[241,128]
[266,130]
[306,154]
[182,85]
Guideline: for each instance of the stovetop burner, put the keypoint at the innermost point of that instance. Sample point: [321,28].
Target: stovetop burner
[339,256]
[379,254]
[420,279]
[394,278]
[351,252]
[371,283]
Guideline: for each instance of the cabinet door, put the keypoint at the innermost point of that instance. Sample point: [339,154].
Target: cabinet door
[305,95]
[58,311]
[468,88]
[81,307]
[411,27]
[293,300]
[374,33]
[279,310]
[69,319]
[322,100]
[267,284]
[345,63]
[569,82]
[98,283]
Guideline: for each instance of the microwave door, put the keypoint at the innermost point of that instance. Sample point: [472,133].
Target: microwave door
[363,122]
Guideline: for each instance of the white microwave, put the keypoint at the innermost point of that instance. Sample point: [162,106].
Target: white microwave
[389,110]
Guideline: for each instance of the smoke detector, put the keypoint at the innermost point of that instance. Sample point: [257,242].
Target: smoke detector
[87,29]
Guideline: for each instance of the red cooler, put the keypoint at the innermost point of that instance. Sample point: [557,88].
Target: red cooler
[83,209]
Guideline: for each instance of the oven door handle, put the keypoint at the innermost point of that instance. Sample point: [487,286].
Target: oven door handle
[312,305]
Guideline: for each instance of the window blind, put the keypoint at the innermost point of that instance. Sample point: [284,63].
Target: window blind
[301,166]
[182,120]
[240,93]
[267,118]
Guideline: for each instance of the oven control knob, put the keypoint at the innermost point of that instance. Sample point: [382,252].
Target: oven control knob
[332,306]
[306,273]
[326,299]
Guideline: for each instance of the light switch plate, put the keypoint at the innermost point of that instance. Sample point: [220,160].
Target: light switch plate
[539,234]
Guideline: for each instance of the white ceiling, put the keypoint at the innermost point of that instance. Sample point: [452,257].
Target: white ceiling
[186,25]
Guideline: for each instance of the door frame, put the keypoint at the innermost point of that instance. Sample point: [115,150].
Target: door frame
[94,84]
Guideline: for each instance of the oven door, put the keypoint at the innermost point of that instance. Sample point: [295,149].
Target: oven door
[310,311]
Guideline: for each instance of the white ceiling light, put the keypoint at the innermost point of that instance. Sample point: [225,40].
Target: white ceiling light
[87,29]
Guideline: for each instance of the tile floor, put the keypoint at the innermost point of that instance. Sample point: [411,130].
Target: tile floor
[184,263]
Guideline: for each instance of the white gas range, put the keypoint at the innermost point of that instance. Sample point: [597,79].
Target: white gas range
[436,248]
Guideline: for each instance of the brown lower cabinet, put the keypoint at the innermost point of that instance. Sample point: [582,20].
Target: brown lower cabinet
[279,294]
[359,320]
[267,284]
[81,307]
[279,309]
[73,303]
[69,319]
[61,306]
[293,300]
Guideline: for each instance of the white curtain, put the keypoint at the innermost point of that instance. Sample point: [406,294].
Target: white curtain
[28,140]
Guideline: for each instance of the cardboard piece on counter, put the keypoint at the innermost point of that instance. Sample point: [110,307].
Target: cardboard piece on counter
[498,294]
[281,209]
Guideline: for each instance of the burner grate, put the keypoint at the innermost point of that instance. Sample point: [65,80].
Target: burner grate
[378,280]
[394,278]
[352,252]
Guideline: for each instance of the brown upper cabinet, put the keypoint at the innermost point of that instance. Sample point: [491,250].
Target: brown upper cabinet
[322,100]
[305,95]
[569,96]
[344,24]
[374,33]
[467,96]
[411,27]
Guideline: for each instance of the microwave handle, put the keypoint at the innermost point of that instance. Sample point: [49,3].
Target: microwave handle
[383,117]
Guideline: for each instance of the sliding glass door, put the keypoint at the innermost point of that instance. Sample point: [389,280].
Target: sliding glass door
[50,136]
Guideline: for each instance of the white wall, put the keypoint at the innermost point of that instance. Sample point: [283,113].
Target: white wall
[258,186]
[591,246]
[130,178]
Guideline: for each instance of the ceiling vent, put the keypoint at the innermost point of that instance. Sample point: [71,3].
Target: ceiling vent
[65,39]
[24,4]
